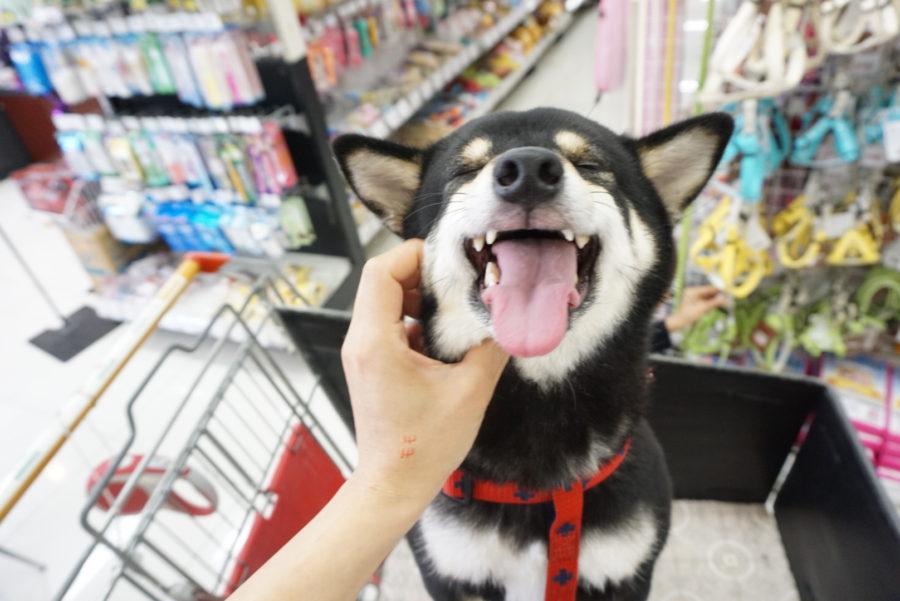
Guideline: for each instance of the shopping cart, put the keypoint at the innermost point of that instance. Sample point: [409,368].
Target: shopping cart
[234,466]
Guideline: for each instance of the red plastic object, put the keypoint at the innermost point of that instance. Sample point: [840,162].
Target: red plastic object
[46,186]
[305,480]
[208,262]
[147,482]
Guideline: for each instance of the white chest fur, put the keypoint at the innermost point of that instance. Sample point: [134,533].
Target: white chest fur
[478,555]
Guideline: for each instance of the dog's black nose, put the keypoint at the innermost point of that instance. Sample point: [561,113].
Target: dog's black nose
[528,176]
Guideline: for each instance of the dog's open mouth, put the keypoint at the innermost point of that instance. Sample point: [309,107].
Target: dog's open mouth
[529,280]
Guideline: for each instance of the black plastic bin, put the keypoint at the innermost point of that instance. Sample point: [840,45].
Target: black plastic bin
[727,433]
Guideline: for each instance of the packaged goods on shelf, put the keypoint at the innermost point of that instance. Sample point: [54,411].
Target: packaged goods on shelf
[402,75]
[123,297]
[220,184]
[195,56]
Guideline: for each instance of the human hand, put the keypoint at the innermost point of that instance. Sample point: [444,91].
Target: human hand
[696,301]
[416,418]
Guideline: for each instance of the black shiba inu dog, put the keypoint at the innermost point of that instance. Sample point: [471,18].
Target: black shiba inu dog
[552,235]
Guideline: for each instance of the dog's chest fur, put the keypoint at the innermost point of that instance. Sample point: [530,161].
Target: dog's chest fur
[471,553]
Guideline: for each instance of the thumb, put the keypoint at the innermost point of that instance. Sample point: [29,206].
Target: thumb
[483,364]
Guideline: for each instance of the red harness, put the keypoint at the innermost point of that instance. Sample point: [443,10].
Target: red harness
[565,532]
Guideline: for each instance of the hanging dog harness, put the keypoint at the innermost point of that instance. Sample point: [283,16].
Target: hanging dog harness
[565,532]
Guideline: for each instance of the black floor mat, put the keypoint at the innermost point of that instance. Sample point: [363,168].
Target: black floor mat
[84,328]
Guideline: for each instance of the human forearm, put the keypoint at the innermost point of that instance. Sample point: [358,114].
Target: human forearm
[334,555]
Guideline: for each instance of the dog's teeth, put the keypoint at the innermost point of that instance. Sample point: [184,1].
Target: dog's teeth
[478,243]
[491,275]
[568,235]
[581,241]
[491,236]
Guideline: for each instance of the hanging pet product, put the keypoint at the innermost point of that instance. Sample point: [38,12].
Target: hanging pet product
[732,246]
[734,261]
[834,124]
[799,237]
[858,231]
[879,295]
[762,140]
[823,332]
[712,334]
[611,45]
[849,26]
[761,53]
[773,335]
[152,470]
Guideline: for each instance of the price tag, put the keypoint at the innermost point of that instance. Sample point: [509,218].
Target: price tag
[891,128]
[755,236]
[867,64]
[762,336]
[837,224]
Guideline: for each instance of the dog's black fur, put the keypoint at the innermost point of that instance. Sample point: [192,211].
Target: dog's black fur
[533,434]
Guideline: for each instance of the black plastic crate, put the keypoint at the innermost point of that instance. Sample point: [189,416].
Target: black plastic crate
[727,434]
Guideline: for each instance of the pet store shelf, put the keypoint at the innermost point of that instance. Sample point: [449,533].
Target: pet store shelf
[509,83]
[399,113]
[196,308]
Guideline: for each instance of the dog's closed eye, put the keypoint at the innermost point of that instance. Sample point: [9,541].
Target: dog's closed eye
[466,170]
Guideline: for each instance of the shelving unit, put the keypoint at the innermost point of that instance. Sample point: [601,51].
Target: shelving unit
[509,83]
[392,119]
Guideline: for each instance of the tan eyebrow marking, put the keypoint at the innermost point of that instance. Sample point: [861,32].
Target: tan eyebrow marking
[570,142]
[476,151]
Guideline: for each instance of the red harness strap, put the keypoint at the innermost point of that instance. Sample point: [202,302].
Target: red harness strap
[565,532]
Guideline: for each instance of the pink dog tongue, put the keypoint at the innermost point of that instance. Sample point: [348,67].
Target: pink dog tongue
[530,305]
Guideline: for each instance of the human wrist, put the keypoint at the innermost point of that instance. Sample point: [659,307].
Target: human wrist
[404,498]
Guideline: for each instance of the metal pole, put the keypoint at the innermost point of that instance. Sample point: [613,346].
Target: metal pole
[37,283]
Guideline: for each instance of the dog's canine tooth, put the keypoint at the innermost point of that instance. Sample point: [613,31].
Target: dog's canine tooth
[478,243]
[491,236]
[581,241]
[491,275]
[569,235]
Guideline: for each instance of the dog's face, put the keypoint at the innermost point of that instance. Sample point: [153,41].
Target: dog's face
[542,229]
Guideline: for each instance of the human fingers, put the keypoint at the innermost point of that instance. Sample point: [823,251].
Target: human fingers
[704,292]
[716,301]
[482,366]
[385,279]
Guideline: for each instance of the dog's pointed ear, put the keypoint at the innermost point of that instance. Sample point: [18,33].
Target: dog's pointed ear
[384,175]
[680,159]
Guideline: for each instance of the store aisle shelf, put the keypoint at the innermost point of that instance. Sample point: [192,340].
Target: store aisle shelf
[509,83]
[194,311]
[393,118]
